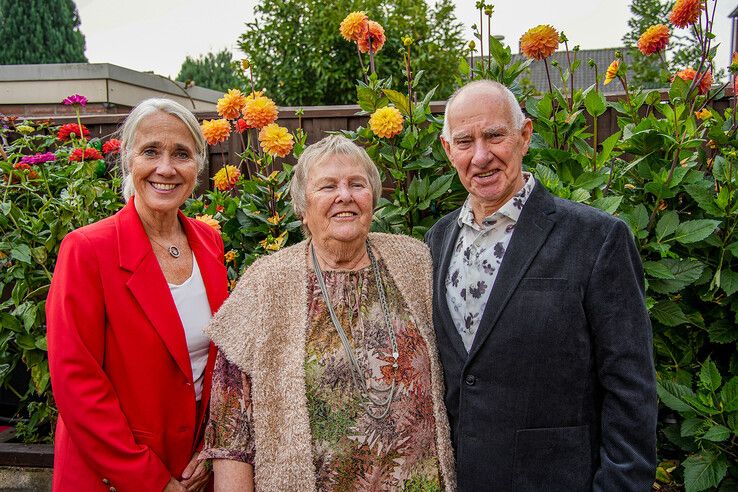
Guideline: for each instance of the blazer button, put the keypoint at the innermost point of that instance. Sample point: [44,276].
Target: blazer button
[470,380]
[106,481]
[113,489]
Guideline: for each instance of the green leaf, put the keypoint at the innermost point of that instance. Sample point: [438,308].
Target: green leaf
[22,253]
[590,180]
[607,146]
[439,186]
[710,378]
[594,102]
[579,195]
[672,395]
[609,204]
[668,313]
[686,272]
[722,331]
[692,426]
[705,470]
[667,224]
[733,248]
[678,89]
[717,433]
[658,269]
[704,195]
[729,395]
[399,100]
[729,281]
[692,231]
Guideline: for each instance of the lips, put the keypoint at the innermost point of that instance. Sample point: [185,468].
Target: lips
[345,214]
[163,186]
[487,174]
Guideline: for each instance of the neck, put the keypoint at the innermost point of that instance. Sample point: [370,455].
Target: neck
[341,255]
[163,225]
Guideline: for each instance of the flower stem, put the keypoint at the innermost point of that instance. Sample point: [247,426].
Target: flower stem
[550,90]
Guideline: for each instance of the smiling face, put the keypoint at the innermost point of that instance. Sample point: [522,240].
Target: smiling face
[162,164]
[339,201]
[486,148]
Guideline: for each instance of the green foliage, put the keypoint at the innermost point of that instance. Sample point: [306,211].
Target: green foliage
[39,31]
[683,49]
[298,52]
[215,71]
[39,207]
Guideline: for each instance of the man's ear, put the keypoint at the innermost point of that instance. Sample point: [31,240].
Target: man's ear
[526,132]
[446,146]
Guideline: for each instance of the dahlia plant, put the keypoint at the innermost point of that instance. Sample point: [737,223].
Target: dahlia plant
[671,172]
[248,201]
[402,139]
[53,180]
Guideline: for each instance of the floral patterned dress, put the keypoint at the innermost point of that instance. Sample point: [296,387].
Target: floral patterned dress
[351,450]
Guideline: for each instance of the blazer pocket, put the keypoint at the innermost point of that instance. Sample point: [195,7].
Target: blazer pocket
[543,284]
[552,459]
[142,436]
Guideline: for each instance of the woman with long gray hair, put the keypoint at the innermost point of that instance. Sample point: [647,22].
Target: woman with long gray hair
[130,365]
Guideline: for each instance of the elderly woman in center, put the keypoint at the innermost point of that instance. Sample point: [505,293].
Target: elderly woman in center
[327,376]
[130,365]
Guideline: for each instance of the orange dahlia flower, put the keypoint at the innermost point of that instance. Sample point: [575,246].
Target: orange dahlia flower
[375,33]
[688,75]
[241,125]
[685,12]
[539,42]
[226,177]
[276,140]
[216,131]
[353,25]
[654,39]
[209,220]
[612,71]
[230,256]
[260,111]
[386,122]
[231,104]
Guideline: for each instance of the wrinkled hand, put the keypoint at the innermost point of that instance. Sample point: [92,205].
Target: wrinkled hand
[174,486]
[196,476]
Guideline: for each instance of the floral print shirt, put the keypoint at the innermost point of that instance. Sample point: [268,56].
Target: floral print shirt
[351,450]
[477,257]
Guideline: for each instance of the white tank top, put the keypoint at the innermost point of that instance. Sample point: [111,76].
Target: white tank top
[192,304]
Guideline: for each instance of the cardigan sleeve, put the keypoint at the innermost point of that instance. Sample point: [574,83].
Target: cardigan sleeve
[87,402]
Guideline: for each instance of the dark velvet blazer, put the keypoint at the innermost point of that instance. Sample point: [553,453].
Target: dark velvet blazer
[558,390]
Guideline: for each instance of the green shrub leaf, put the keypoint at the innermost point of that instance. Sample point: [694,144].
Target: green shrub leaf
[672,395]
[668,313]
[692,231]
[710,378]
[667,224]
[705,470]
[717,433]
[729,395]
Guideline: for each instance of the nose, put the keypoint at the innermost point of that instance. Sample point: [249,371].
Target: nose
[482,156]
[165,166]
[344,193]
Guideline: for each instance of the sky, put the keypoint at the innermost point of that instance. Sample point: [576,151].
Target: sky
[157,35]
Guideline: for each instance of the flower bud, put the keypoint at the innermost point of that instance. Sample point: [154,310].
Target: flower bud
[245,65]
[407,40]
[472,45]
[489,9]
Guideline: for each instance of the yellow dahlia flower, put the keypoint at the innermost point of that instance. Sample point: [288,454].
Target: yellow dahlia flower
[226,177]
[276,140]
[209,220]
[386,122]
[231,104]
[612,71]
[259,111]
[230,256]
[216,131]
[704,114]
[353,25]
[685,12]
[539,42]
[276,218]
[274,243]
[654,39]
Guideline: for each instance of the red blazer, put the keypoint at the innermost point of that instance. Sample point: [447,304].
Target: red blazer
[120,368]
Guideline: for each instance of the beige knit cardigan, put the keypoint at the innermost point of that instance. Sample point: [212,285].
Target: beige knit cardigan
[262,328]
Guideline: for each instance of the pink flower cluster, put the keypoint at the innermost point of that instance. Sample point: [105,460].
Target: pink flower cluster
[75,99]
[38,158]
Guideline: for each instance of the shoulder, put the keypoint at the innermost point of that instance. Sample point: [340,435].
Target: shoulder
[96,234]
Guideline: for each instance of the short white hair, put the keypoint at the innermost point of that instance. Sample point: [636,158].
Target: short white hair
[130,128]
[518,118]
[332,145]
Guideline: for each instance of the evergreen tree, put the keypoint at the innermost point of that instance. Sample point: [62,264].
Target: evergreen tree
[215,71]
[681,52]
[40,31]
[300,57]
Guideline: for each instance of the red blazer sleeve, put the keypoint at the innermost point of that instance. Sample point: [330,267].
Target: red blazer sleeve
[87,402]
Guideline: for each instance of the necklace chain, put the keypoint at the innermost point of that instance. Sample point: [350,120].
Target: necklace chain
[172,249]
[357,374]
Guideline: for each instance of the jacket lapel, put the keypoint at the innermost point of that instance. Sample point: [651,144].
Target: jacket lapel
[450,236]
[533,226]
[149,287]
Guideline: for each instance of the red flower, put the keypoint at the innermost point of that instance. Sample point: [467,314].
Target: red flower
[66,130]
[112,146]
[21,166]
[241,125]
[88,154]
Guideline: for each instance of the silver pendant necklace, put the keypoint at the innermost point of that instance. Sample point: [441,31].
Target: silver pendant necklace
[366,389]
[173,250]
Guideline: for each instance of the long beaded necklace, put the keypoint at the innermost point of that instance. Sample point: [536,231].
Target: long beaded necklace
[357,374]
